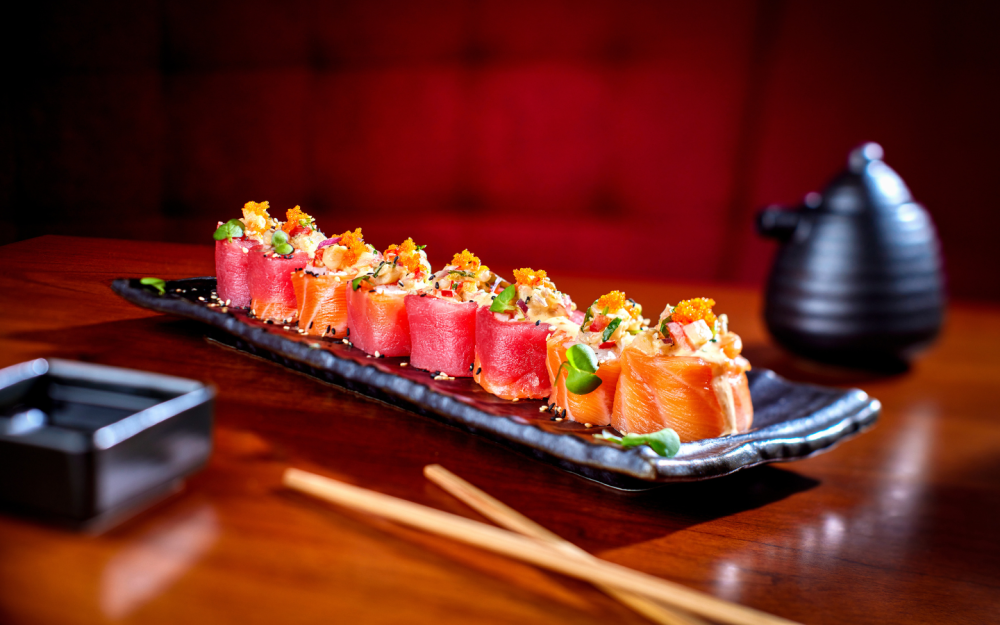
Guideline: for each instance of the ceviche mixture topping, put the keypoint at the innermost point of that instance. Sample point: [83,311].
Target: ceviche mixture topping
[403,267]
[298,232]
[466,279]
[533,297]
[253,225]
[611,323]
[691,328]
[345,255]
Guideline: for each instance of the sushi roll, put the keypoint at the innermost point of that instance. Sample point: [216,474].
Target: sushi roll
[442,317]
[321,287]
[282,251]
[376,309]
[687,374]
[609,326]
[511,336]
[233,241]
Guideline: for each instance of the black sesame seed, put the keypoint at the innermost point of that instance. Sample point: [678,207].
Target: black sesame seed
[554,419]
[327,329]
[311,324]
[478,371]
[471,366]
[348,332]
[437,285]
[538,323]
[423,295]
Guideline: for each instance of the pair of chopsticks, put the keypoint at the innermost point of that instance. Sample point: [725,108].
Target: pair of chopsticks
[532,543]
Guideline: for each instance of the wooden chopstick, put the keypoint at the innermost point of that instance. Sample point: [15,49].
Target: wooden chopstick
[505,516]
[526,549]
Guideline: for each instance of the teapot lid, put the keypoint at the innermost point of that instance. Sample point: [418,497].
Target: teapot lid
[867,184]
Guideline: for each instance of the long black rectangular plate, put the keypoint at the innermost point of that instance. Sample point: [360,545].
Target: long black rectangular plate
[791,420]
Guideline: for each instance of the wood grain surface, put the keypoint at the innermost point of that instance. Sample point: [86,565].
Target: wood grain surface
[898,525]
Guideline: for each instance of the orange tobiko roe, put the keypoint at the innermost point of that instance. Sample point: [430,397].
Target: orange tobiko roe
[407,254]
[529,277]
[466,261]
[691,310]
[292,217]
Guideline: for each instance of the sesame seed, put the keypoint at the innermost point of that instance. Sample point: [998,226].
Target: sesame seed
[538,323]
[201,299]
[587,425]
[377,355]
[224,309]
[471,365]
[228,301]
[285,327]
[403,364]
[177,290]
[515,399]
[327,329]
[542,408]
[478,371]
[346,342]
[311,324]
[246,251]
[558,419]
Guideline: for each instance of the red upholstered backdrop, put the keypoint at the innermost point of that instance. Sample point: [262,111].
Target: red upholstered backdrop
[576,136]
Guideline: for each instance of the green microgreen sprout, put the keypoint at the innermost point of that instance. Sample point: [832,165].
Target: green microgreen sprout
[665,442]
[156,283]
[506,301]
[608,331]
[581,365]
[228,230]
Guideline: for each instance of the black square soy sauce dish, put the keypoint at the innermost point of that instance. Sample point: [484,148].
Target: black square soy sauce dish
[85,446]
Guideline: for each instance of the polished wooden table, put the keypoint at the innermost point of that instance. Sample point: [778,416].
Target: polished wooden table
[897,525]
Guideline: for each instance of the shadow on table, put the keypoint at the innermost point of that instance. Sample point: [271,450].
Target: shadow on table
[798,369]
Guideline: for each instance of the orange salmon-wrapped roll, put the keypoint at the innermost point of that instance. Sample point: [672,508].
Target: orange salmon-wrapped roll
[321,287]
[376,308]
[609,326]
[686,374]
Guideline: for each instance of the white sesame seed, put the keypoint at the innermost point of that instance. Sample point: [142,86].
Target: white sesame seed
[559,418]
[201,299]
[228,301]
[285,327]
[403,364]
[377,354]
[587,425]
[515,399]
[224,309]
[246,251]
[542,408]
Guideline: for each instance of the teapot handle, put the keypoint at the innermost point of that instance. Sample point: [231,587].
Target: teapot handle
[777,222]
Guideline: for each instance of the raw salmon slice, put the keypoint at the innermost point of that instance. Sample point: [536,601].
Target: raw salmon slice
[377,322]
[442,334]
[510,357]
[322,303]
[594,407]
[270,280]
[231,268]
[681,393]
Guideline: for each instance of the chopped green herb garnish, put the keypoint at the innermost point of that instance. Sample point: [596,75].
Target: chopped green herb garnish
[228,230]
[156,283]
[506,301]
[608,331]
[665,442]
[587,317]
[356,283]
[464,274]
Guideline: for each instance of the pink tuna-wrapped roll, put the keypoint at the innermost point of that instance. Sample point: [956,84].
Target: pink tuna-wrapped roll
[510,357]
[231,264]
[270,279]
[442,334]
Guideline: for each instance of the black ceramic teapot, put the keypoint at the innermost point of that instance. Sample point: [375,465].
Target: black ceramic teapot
[858,279]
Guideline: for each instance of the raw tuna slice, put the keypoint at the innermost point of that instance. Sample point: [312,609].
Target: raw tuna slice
[270,277]
[596,406]
[681,393]
[377,322]
[231,263]
[322,303]
[442,334]
[510,357]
